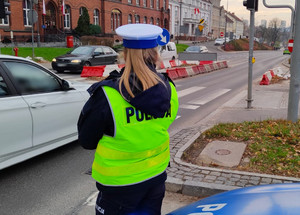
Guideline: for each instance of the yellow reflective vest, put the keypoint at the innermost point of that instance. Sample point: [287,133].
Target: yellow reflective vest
[139,149]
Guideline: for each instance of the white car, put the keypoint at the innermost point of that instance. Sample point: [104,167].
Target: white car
[197,49]
[219,41]
[168,52]
[38,110]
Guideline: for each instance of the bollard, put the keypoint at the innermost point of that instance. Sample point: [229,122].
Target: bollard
[16,51]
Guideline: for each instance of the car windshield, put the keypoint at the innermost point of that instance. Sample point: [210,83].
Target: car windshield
[82,51]
[193,49]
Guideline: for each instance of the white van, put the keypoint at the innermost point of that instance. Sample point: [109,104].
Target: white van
[168,52]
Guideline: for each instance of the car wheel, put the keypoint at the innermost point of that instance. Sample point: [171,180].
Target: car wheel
[60,71]
[87,64]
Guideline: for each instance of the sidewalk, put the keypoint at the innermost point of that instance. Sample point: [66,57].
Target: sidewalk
[269,102]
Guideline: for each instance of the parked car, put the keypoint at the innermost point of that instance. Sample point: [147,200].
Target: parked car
[286,51]
[85,56]
[279,199]
[168,52]
[38,110]
[219,41]
[197,49]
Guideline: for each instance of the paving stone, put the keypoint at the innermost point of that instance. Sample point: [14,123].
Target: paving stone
[235,176]
[208,180]
[234,179]
[227,175]
[219,182]
[215,173]
[210,177]
[230,183]
[254,182]
[266,180]
[245,177]
[187,177]
[255,178]
[222,178]
[206,172]
[276,181]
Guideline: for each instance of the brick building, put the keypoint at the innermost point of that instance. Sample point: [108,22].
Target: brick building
[109,14]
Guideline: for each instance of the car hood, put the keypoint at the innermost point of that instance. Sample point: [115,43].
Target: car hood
[72,56]
[279,199]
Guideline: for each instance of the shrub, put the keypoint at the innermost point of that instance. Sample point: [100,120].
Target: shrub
[93,40]
[83,24]
[94,29]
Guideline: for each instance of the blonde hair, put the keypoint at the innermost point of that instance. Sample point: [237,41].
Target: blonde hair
[135,61]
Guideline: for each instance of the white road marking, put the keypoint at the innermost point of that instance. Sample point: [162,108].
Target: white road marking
[177,117]
[187,91]
[207,98]
[191,107]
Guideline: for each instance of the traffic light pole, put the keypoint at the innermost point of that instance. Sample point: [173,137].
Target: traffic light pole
[250,67]
[294,93]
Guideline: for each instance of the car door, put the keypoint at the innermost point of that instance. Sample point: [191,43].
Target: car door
[109,55]
[54,111]
[15,121]
[98,56]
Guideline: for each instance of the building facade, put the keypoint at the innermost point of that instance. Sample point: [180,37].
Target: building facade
[218,18]
[186,15]
[61,16]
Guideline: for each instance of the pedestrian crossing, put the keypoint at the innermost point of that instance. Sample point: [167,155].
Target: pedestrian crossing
[201,100]
[193,104]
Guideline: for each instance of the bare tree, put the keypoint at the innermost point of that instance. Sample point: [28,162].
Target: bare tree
[273,33]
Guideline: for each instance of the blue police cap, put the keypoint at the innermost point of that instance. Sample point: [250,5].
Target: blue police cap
[139,36]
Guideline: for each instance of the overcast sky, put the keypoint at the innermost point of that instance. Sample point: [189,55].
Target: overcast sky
[237,7]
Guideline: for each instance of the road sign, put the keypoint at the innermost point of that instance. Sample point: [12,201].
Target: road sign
[290,45]
[200,27]
[164,38]
[222,34]
[201,21]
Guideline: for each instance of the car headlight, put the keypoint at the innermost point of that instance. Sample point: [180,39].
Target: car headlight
[76,61]
[54,60]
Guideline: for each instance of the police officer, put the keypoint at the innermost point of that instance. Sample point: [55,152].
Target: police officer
[126,120]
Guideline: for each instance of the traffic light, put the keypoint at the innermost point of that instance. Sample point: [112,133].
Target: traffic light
[251,4]
[3,11]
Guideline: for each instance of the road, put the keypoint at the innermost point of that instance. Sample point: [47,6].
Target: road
[57,182]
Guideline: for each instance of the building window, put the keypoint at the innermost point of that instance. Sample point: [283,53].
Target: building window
[129,1]
[67,17]
[157,21]
[129,19]
[151,20]
[96,17]
[157,4]
[138,2]
[5,21]
[81,11]
[26,8]
[164,4]
[137,19]
[151,3]
[145,19]
[115,19]
[145,3]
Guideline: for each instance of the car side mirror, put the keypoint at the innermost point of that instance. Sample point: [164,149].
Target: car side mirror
[66,85]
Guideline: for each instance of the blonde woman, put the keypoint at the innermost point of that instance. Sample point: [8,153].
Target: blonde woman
[126,121]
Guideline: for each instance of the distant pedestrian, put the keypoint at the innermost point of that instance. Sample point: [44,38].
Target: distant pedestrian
[126,121]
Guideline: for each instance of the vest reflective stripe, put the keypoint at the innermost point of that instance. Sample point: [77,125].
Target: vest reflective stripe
[139,149]
[132,167]
[109,153]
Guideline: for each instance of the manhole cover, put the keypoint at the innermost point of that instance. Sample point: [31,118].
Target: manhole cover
[223,152]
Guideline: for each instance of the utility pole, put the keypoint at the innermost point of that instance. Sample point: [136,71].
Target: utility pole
[251,5]
[294,93]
